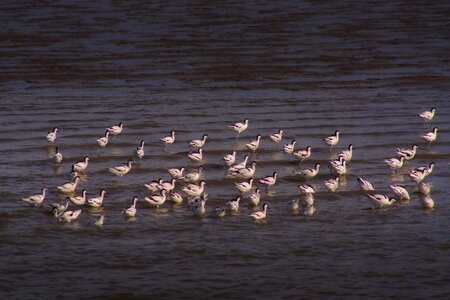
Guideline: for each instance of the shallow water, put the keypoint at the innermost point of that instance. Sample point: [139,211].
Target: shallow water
[308,68]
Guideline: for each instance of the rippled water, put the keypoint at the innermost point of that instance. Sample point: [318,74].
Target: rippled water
[308,68]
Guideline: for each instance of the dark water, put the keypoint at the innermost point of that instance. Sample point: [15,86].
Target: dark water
[308,68]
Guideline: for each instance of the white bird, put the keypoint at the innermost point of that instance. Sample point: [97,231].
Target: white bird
[239,127]
[347,154]
[419,174]
[259,215]
[276,137]
[309,211]
[169,139]
[365,185]
[233,205]
[244,187]
[194,190]
[196,144]
[425,169]
[269,180]
[306,189]
[309,172]
[425,188]
[139,151]
[395,163]
[153,186]
[379,200]
[103,141]
[430,136]
[57,157]
[157,200]
[69,187]
[332,139]
[116,129]
[176,198]
[229,159]
[97,201]
[332,184]
[196,156]
[199,208]
[73,173]
[239,166]
[400,191]
[79,200]
[81,165]
[255,197]
[168,186]
[337,162]
[427,202]
[427,116]
[176,173]
[308,199]
[218,212]
[195,200]
[193,176]
[35,200]
[289,148]
[121,170]
[245,172]
[131,210]
[303,154]
[51,136]
[60,208]
[406,153]
[341,169]
[67,216]
[294,205]
[99,222]
[253,145]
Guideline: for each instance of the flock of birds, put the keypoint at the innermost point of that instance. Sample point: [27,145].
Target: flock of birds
[193,187]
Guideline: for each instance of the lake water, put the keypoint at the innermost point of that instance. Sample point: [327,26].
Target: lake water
[306,67]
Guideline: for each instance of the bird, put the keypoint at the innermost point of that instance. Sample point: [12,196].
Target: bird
[430,136]
[379,200]
[199,208]
[195,200]
[122,169]
[69,187]
[73,173]
[60,208]
[419,174]
[116,129]
[269,180]
[308,199]
[79,200]
[194,190]
[168,186]
[427,116]
[99,222]
[245,172]
[239,127]
[168,140]
[103,141]
[259,215]
[35,200]
[193,176]
[80,166]
[244,187]
[337,162]
[365,185]
[139,151]
[176,173]
[153,186]
[340,169]
[176,198]
[306,189]
[347,154]
[309,211]
[425,188]
[218,212]
[131,210]
[229,159]
[67,216]
[332,139]
[233,205]
[427,202]
[331,184]
[97,201]
[309,172]
[276,137]
[294,205]
[57,157]
[196,156]
[157,200]
[400,191]
[255,197]
[254,144]
[406,153]
[395,163]
[303,154]
[51,136]
[196,144]
[239,166]
[289,148]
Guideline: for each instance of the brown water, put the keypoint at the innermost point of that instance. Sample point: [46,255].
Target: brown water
[308,68]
